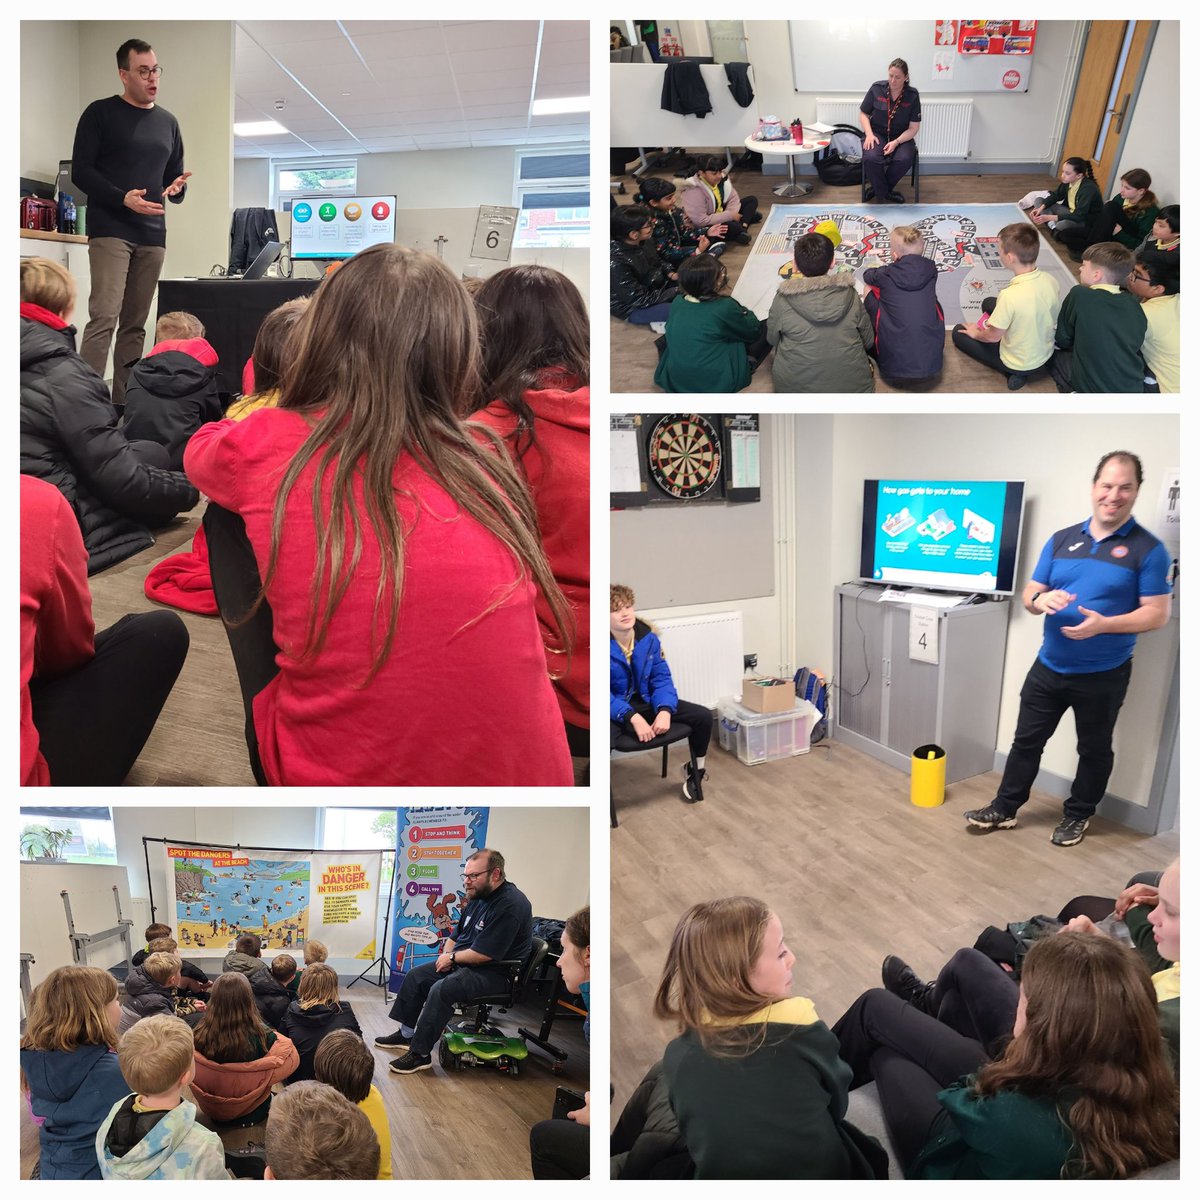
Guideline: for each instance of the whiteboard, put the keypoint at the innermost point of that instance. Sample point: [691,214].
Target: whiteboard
[44,920]
[849,56]
[638,118]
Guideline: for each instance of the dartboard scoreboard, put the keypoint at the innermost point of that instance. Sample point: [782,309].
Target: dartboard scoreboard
[683,458]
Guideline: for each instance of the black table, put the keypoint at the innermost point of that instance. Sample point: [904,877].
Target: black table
[231,311]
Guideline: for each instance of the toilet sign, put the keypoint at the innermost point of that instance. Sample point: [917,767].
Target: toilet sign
[494,232]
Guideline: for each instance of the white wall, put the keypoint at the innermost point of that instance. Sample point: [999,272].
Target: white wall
[50,104]
[1056,456]
[251,183]
[1153,141]
[1023,127]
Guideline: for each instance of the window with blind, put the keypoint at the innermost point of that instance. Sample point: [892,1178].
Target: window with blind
[551,192]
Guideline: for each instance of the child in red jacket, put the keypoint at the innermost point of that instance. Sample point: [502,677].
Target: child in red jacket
[535,370]
[401,560]
[88,700]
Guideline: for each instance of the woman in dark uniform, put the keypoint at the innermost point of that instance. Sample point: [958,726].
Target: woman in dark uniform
[890,115]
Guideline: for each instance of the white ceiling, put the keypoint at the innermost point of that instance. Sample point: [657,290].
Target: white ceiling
[355,87]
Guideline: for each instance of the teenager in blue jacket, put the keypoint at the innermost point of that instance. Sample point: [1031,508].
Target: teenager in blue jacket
[643,699]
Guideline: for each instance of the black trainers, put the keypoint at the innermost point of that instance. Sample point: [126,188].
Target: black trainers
[393,1041]
[1017,382]
[410,1063]
[895,197]
[901,980]
[989,818]
[691,792]
[1069,833]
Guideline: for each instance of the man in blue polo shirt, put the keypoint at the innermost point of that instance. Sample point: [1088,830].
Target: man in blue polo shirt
[1098,585]
[496,925]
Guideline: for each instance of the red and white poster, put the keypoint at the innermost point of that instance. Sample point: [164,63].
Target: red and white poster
[995,37]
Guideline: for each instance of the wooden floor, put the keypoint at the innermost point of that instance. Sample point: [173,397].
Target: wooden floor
[471,1124]
[634,357]
[854,870]
[200,738]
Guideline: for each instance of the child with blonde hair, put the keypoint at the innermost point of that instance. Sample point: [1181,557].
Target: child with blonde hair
[754,1077]
[315,952]
[69,1067]
[316,1011]
[902,305]
[152,1133]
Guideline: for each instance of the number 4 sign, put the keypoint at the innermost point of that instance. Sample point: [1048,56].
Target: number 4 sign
[923,634]
[494,232]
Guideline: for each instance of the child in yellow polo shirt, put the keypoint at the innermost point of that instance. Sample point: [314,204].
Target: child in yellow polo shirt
[1155,282]
[1018,338]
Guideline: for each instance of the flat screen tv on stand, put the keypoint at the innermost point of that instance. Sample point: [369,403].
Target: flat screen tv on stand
[943,535]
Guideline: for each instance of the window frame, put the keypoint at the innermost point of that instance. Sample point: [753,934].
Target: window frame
[279,165]
[555,184]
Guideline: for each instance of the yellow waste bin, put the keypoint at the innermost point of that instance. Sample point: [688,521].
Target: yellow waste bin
[928,788]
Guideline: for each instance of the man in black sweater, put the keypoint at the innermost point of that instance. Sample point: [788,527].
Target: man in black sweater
[128,156]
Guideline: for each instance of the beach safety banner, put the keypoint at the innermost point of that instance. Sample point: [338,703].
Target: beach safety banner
[432,847]
[286,897]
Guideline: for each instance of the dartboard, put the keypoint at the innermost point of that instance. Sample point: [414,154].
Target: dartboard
[684,454]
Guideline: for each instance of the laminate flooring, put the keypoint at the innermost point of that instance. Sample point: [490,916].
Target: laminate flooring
[831,841]
[471,1124]
[634,357]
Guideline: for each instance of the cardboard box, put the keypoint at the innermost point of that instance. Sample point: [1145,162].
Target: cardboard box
[768,695]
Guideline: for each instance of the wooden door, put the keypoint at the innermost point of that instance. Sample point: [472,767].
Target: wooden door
[1106,93]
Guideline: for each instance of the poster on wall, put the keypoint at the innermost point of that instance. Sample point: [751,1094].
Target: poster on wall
[432,848]
[286,897]
[996,37]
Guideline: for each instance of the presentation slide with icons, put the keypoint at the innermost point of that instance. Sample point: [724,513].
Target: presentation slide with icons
[340,226]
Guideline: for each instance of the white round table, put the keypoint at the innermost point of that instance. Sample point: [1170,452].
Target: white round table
[788,150]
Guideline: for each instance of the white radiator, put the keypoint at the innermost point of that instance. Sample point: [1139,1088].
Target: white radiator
[945,124]
[704,654]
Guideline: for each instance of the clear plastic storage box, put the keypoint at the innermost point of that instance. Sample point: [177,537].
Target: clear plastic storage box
[761,737]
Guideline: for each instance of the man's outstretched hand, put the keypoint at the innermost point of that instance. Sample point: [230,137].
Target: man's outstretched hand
[173,189]
[134,199]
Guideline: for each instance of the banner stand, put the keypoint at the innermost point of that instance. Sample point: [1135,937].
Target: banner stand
[381,961]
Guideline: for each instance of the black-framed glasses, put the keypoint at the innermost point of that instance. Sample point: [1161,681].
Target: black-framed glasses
[473,874]
[146,73]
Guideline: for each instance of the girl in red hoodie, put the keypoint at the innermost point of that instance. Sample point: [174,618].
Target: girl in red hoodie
[535,372]
[398,556]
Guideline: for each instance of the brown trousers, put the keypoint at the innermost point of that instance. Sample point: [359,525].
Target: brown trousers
[124,276]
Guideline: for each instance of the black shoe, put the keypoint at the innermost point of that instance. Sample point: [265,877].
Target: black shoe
[716,249]
[901,980]
[1069,833]
[742,238]
[869,193]
[393,1041]
[895,198]
[1016,382]
[691,792]
[990,818]
[410,1063]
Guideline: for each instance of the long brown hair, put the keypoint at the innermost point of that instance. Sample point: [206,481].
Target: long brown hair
[231,1021]
[68,1010]
[1140,179]
[705,986]
[384,362]
[531,320]
[1091,1038]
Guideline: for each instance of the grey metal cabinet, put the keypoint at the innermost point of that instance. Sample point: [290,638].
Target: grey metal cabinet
[887,704]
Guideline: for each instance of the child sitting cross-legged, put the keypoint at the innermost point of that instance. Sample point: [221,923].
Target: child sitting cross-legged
[1101,327]
[344,1062]
[1018,337]
[714,344]
[153,988]
[173,390]
[640,284]
[192,978]
[818,326]
[153,1133]
[902,304]
[314,1132]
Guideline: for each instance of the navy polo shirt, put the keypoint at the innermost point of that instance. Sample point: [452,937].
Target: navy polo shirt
[876,103]
[1110,577]
[500,926]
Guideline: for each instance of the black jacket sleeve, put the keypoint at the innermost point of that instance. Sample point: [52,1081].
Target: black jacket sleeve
[101,455]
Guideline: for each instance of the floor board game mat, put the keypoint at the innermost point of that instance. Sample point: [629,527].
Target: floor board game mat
[961,239]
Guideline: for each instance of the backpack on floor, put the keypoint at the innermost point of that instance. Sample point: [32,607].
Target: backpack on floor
[840,163]
[811,686]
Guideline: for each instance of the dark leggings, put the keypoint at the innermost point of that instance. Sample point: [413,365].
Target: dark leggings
[694,715]
[911,1056]
[236,585]
[747,212]
[988,353]
[977,998]
[558,1149]
[883,174]
[93,723]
